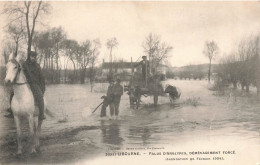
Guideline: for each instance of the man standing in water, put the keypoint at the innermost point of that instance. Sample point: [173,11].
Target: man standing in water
[118,92]
[108,99]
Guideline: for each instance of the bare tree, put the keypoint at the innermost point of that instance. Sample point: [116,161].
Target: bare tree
[243,66]
[210,50]
[156,50]
[249,50]
[83,58]
[58,35]
[229,70]
[70,51]
[151,46]
[28,11]
[16,32]
[111,43]
[93,59]
[8,48]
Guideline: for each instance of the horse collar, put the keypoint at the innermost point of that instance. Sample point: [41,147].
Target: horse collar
[18,72]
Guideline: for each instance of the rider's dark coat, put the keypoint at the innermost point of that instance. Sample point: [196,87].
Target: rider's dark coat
[34,75]
[36,80]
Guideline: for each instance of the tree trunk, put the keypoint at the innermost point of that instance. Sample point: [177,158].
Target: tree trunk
[235,85]
[5,57]
[247,88]
[57,66]
[209,70]
[82,76]
[65,68]
[74,71]
[29,46]
[44,63]
[52,70]
[91,85]
[65,75]
[111,67]
[16,48]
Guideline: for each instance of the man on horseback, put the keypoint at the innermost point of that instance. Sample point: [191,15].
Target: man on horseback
[36,80]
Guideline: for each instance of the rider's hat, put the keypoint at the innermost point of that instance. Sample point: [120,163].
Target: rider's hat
[144,57]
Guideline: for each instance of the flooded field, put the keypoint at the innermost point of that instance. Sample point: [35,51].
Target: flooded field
[200,120]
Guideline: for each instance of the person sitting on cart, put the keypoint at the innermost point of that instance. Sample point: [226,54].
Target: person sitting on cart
[108,99]
[145,66]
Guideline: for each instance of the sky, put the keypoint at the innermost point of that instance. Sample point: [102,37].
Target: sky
[183,25]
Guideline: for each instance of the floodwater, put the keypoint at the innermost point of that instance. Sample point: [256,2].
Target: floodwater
[200,120]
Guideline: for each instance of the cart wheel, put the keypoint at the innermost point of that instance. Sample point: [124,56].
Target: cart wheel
[131,102]
[138,102]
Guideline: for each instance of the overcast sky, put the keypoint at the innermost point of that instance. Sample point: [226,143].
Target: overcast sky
[184,25]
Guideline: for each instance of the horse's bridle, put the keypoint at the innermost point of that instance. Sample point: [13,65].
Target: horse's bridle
[18,72]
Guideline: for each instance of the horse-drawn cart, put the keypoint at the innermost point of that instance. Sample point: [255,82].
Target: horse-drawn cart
[147,83]
[138,87]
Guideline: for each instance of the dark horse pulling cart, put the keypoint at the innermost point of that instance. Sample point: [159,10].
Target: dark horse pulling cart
[138,87]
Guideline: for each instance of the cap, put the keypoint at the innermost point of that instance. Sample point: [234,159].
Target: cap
[118,80]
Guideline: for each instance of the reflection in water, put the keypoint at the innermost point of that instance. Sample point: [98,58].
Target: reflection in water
[166,124]
[111,132]
[142,133]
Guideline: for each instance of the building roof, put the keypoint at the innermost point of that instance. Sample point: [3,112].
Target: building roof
[125,65]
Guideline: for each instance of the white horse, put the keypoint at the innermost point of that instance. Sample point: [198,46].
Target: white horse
[22,103]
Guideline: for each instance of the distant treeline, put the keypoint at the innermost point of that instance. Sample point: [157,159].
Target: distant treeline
[242,67]
[195,72]
[62,76]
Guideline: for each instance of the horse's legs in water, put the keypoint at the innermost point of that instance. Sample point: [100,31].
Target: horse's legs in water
[155,99]
[32,133]
[19,133]
[138,101]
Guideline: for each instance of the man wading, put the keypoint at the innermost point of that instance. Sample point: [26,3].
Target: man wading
[118,92]
[108,99]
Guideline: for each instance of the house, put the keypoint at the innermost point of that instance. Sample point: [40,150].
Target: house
[121,69]
[118,67]
[125,69]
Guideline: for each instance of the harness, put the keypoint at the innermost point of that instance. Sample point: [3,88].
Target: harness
[18,72]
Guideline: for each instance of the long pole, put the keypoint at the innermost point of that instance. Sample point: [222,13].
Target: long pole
[97,107]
